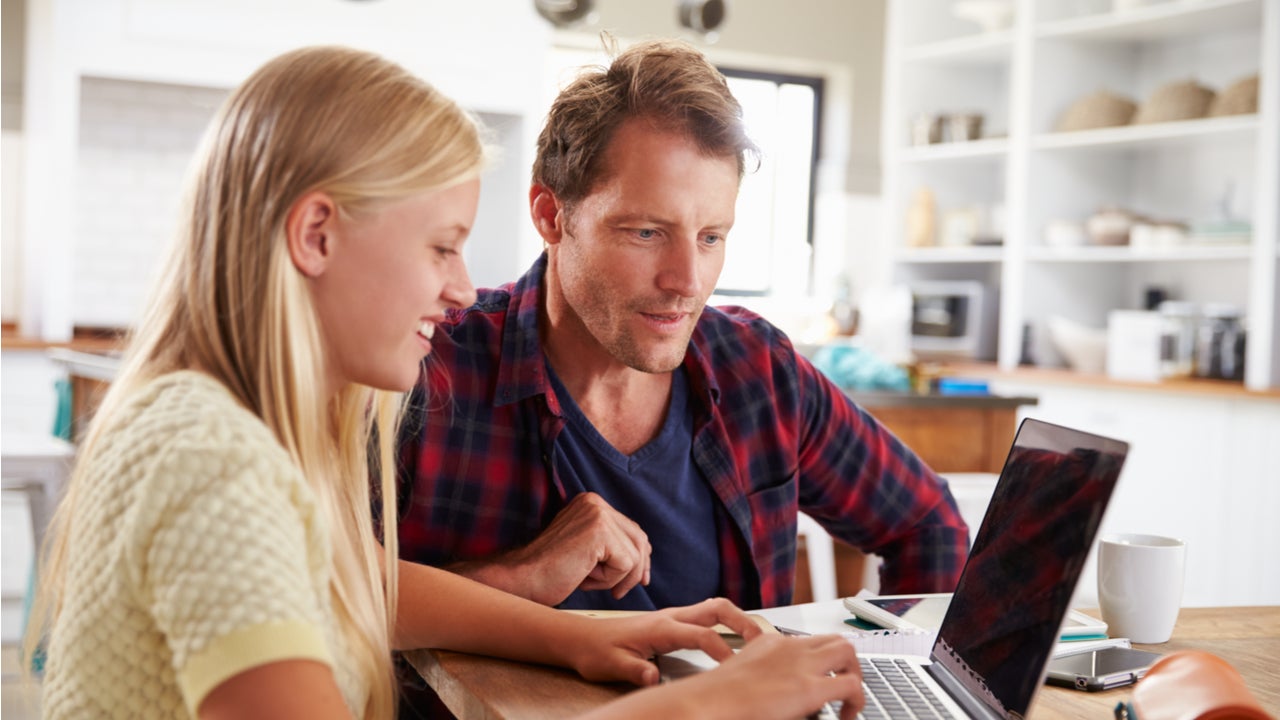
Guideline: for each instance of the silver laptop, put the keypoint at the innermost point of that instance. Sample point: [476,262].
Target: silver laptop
[1003,621]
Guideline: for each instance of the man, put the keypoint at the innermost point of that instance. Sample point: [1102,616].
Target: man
[594,436]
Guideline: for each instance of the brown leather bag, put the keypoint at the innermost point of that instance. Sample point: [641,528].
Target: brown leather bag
[1192,685]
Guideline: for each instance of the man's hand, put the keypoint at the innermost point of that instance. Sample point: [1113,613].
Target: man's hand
[588,546]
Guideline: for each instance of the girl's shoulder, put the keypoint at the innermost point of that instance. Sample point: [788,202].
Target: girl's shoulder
[189,429]
[191,406]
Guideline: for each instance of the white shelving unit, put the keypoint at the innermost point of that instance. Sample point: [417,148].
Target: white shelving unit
[1022,79]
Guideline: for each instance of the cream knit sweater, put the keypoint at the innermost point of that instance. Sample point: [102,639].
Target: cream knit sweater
[196,552]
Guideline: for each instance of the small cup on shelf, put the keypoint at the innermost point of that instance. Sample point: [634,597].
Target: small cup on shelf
[962,127]
[926,129]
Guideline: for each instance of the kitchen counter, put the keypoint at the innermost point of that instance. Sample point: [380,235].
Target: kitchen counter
[1061,376]
[936,400]
[951,433]
[91,374]
[84,341]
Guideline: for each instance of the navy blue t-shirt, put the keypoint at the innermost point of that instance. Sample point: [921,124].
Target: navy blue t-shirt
[659,488]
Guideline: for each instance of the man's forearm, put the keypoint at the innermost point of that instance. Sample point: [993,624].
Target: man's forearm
[497,572]
[512,573]
[927,560]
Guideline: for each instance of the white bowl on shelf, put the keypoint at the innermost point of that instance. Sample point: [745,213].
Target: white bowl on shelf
[1083,347]
[990,15]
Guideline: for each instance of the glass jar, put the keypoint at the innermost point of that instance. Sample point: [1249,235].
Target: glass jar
[1177,338]
[1220,341]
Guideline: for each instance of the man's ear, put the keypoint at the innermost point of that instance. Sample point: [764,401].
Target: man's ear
[547,213]
[311,228]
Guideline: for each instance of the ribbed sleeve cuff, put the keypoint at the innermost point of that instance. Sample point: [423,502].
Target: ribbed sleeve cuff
[248,648]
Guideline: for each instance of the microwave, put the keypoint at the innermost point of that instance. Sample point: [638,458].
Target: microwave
[953,319]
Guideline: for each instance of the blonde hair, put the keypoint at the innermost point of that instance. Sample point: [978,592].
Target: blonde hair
[365,131]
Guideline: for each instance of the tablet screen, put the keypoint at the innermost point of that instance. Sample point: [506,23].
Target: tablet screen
[922,612]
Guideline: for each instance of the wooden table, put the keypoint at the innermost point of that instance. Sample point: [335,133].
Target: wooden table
[1248,638]
[482,688]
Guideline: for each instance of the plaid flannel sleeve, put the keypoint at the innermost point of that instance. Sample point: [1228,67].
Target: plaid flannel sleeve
[870,490]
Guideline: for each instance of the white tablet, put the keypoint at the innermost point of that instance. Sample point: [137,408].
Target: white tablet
[925,612]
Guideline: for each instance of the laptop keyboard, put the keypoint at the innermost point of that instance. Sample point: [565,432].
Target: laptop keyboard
[894,690]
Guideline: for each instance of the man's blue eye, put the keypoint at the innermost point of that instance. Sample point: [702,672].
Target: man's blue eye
[647,233]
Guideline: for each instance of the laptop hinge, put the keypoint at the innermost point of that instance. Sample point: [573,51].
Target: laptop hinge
[957,692]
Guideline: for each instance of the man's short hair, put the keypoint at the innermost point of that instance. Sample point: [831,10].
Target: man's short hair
[668,83]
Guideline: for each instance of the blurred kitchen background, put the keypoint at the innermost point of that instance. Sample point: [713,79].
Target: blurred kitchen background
[1071,201]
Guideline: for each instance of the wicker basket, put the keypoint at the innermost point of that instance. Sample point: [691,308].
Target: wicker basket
[1183,100]
[1239,98]
[1097,110]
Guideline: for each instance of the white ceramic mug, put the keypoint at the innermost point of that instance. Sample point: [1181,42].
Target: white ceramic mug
[1140,585]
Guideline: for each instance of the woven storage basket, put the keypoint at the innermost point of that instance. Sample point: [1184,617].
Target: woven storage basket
[1183,100]
[1239,98]
[1097,110]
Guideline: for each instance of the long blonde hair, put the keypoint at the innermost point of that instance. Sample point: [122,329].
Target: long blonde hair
[231,303]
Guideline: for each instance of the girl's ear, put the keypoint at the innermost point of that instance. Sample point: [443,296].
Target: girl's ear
[311,228]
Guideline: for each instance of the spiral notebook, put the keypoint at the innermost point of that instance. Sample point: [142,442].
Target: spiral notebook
[893,642]
[1001,627]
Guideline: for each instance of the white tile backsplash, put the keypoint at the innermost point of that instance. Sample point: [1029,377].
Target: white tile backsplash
[136,141]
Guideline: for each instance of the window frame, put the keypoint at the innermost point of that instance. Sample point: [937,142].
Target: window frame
[817,84]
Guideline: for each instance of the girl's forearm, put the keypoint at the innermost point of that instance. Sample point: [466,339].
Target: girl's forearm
[439,609]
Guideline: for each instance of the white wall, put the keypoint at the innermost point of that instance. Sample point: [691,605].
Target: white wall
[844,32]
[10,209]
[487,53]
[160,58]
[136,142]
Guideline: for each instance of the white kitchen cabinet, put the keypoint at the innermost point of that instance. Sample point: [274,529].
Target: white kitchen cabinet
[1022,175]
[1204,468]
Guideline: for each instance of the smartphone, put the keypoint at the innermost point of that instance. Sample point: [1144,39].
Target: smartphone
[1100,669]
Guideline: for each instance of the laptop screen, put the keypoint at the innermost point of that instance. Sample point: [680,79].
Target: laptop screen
[1017,584]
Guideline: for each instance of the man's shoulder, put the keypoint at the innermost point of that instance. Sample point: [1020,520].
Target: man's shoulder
[730,327]
[490,302]
[746,354]
[481,320]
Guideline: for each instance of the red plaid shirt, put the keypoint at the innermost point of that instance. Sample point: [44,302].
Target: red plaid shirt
[772,436]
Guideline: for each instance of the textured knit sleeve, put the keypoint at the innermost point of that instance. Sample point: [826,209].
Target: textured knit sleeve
[225,557]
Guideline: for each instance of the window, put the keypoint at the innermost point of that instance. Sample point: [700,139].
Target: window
[770,247]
